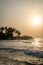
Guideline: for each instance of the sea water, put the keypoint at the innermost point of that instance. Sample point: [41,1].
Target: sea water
[21,52]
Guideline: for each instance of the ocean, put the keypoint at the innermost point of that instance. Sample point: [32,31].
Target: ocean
[21,52]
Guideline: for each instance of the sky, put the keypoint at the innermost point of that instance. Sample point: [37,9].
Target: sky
[19,14]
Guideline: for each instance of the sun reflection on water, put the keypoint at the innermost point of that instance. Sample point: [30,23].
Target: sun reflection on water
[36,42]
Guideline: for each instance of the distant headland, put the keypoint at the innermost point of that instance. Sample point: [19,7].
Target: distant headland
[7,33]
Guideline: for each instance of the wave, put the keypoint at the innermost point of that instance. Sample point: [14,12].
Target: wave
[25,51]
[34,53]
[11,56]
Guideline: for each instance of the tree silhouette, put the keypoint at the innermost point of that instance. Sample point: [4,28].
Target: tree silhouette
[9,32]
[6,27]
[18,33]
[1,29]
[1,33]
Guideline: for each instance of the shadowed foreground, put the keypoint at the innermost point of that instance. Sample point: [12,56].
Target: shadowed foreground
[5,59]
[8,61]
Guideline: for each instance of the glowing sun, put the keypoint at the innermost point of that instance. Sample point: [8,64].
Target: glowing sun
[36,20]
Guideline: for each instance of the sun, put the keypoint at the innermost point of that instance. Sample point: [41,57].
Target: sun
[36,20]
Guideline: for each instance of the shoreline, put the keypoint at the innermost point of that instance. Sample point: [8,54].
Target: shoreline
[7,58]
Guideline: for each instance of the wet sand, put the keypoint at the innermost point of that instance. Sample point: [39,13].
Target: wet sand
[6,60]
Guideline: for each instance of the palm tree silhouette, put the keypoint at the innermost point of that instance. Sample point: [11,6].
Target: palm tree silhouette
[18,33]
[2,29]
[10,31]
[7,33]
[1,33]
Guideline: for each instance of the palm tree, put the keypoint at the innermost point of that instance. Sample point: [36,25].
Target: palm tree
[6,30]
[2,29]
[18,33]
[10,31]
[1,33]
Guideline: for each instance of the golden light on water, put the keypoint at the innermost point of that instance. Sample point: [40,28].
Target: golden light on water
[36,20]
[36,42]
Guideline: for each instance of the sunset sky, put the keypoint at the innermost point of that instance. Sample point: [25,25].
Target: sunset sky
[24,15]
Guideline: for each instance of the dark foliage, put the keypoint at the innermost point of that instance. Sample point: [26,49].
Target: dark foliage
[6,33]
